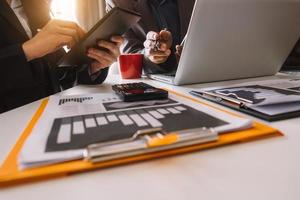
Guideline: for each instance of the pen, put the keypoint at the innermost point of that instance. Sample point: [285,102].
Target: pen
[235,96]
[219,98]
[183,41]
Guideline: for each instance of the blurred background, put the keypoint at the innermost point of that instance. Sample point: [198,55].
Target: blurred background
[84,12]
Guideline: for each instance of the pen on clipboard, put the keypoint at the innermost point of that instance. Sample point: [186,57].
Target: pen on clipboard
[219,98]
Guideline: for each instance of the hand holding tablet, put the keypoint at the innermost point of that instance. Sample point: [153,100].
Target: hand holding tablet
[99,38]
[104,58]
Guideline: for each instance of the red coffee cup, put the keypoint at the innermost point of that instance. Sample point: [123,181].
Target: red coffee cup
[131,65]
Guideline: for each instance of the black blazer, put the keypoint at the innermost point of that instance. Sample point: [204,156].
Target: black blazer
[22,82]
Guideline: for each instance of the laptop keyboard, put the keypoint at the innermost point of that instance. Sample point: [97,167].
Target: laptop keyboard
[292,73]
[170,74]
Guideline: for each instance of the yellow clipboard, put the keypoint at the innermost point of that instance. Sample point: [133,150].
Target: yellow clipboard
[10,174]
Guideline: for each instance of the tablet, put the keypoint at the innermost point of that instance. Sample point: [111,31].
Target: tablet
[116,22]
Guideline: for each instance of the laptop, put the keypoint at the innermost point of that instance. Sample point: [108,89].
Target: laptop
[236,39]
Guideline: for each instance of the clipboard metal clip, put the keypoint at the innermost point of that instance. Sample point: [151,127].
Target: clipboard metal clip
[147,141]
[153,137]
[157,137]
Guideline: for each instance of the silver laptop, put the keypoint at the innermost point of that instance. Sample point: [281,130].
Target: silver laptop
[236,39]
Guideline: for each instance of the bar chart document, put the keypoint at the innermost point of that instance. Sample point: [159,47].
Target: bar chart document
[70,123]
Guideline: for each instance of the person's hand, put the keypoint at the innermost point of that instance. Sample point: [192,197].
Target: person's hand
[178,52]
[157,46]
[104,58]
[51,37]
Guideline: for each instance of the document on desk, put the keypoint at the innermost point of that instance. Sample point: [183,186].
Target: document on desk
[271,97]
[70,123]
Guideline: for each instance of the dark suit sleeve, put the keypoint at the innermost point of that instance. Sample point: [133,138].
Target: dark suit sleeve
[20,69]
[87,79]
[135,44]
[69,77]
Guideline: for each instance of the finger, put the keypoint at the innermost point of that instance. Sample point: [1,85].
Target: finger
[119,40]
[96,66]
[81,32]
[68,32]
[168,52]
[101,56]
[179,49]
[102,62]
[151,35]
[163,46]
[71,25]
[107,45]
[65,23]
[152,52]
[162,56]
[66,40]
[149,44]
[158,60]
[112,47]
[165,35]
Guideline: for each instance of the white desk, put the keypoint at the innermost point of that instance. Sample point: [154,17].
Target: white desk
[260,170]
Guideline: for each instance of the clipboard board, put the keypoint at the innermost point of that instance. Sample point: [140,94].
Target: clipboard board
[240,106]
[10,175]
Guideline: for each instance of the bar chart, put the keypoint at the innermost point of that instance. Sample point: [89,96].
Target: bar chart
[79,131]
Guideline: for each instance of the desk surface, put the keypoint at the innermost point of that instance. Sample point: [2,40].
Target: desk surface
[260,170]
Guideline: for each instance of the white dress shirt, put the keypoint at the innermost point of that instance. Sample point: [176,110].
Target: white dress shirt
[17,7]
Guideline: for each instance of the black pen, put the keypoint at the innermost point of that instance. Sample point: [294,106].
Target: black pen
[218,98]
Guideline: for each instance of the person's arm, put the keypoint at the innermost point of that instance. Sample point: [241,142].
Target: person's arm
[17,57]
[86,78]
[15,71]
[52,37]
[60,33]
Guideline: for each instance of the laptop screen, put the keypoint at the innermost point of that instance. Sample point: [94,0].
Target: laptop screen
[292,63]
